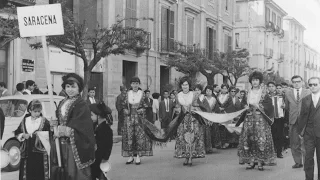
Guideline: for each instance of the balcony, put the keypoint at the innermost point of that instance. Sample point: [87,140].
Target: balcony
[270,27]
[22,2]
[281,33]
[276,30]
[144,38]
[268,53]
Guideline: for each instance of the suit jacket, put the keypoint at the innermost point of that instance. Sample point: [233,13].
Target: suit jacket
[149,110]
[89,102]
[148,102]
[233,107]
[224,104]
[162,109]
[2,122]
[306,115]
[292,105]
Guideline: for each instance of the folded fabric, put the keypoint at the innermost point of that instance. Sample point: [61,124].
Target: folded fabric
[219,118]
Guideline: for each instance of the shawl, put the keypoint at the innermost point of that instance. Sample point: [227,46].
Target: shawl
[82,138]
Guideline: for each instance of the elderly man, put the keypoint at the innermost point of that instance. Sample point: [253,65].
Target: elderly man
[293,99]
[119,100]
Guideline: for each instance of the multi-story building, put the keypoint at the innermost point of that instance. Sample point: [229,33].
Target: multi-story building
[293,47]
[311,64]
[259,28]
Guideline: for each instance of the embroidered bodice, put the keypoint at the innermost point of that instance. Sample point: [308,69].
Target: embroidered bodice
[134,97]
[185,99]
[211,101]
[65,108]
[254,97]
[223,98]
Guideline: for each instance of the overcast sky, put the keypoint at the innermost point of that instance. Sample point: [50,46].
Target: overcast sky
[307,12]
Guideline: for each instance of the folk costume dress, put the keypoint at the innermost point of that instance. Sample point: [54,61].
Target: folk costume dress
[224,101]
[190,139]
[211,133]
[77,150]
[255,143]
[134,139]
[34,163]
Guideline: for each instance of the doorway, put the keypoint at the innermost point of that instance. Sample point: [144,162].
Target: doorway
[4,64]
[164,78]
[96,80]
[129,70]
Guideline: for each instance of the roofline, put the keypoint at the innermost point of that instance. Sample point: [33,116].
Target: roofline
[29,97]
[306,45]
[294,19]
[284,13]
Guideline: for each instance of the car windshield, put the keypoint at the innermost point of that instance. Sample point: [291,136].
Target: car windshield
[14,107]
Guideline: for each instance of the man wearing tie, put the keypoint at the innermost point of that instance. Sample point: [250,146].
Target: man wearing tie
[91,96]
[293,99]
[309,127]
[165,110]
[149,102]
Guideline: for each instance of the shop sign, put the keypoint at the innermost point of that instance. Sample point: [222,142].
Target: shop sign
[27,65]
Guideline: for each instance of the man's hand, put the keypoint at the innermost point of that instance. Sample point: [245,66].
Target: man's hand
[26,136]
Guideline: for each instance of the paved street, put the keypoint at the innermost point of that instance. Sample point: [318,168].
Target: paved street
[222,165]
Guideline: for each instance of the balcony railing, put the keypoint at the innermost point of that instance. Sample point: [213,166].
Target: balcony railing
[281,58]
[269,53]
[143,37]
[270,27]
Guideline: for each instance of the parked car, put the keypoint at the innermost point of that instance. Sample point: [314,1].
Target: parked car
[15,108]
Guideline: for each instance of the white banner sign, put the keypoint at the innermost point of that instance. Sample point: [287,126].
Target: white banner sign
[42,20]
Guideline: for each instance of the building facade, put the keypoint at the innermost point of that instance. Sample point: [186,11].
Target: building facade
[294,62]
[311,62]
[259,28]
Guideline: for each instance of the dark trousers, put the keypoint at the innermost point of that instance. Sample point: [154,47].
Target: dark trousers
[277,134]
[311,143]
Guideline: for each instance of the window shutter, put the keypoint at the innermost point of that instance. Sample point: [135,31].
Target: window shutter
[190,26]
[164,29]
[225,43]
[229,43]
[171,29]
[131,12]
[214,40]
[238,12]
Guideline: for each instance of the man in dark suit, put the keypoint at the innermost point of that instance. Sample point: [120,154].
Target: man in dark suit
[293,99]
[309,127]
[216,90]
[91,96]
[149,102]
[243,98]
[2,122]
[119,100]
[165,110]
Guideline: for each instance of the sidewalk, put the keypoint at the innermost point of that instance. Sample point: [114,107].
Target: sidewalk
[116,137]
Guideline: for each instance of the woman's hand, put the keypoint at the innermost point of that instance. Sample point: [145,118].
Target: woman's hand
[25,136]
[140,111]
[64,131]
[221,109]
[53,122]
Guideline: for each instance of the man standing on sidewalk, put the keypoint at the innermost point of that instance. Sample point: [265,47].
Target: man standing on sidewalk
[309,127]
[119,100]
[293,99]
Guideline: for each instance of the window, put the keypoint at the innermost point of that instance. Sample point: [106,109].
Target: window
[167,29]
[190,30]
[131,12]
[227,43]
[279,22]
[267,14]
[14,107]
[237,40]
[274,18]
[211,42]
[238,18]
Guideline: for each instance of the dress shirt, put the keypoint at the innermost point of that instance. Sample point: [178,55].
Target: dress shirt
[315,98]
[27,91]
[295,93]
[166,102]
[32,125]
[92,100]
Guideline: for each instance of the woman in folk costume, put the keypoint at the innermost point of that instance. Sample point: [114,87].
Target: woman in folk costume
[102,120]
[256,144]
[134,140]
[34,157]
[75,132]
[208,103]
[224,102]
[190,140]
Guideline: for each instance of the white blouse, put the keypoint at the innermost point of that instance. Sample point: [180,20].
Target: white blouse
[32,125]
[223,98]
[185,99]
[134,97]
[254,97]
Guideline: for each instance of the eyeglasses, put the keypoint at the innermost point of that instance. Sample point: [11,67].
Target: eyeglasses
[315,85]
[233,91]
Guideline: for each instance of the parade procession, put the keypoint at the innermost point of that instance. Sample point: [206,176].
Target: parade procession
[159,89]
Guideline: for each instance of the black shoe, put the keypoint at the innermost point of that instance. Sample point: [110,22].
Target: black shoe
[250,166]
[130,162]
[185,163]
[279,156]
[190,162]
[260,168]
[297,166]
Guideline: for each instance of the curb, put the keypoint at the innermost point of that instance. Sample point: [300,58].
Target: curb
[117,139]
